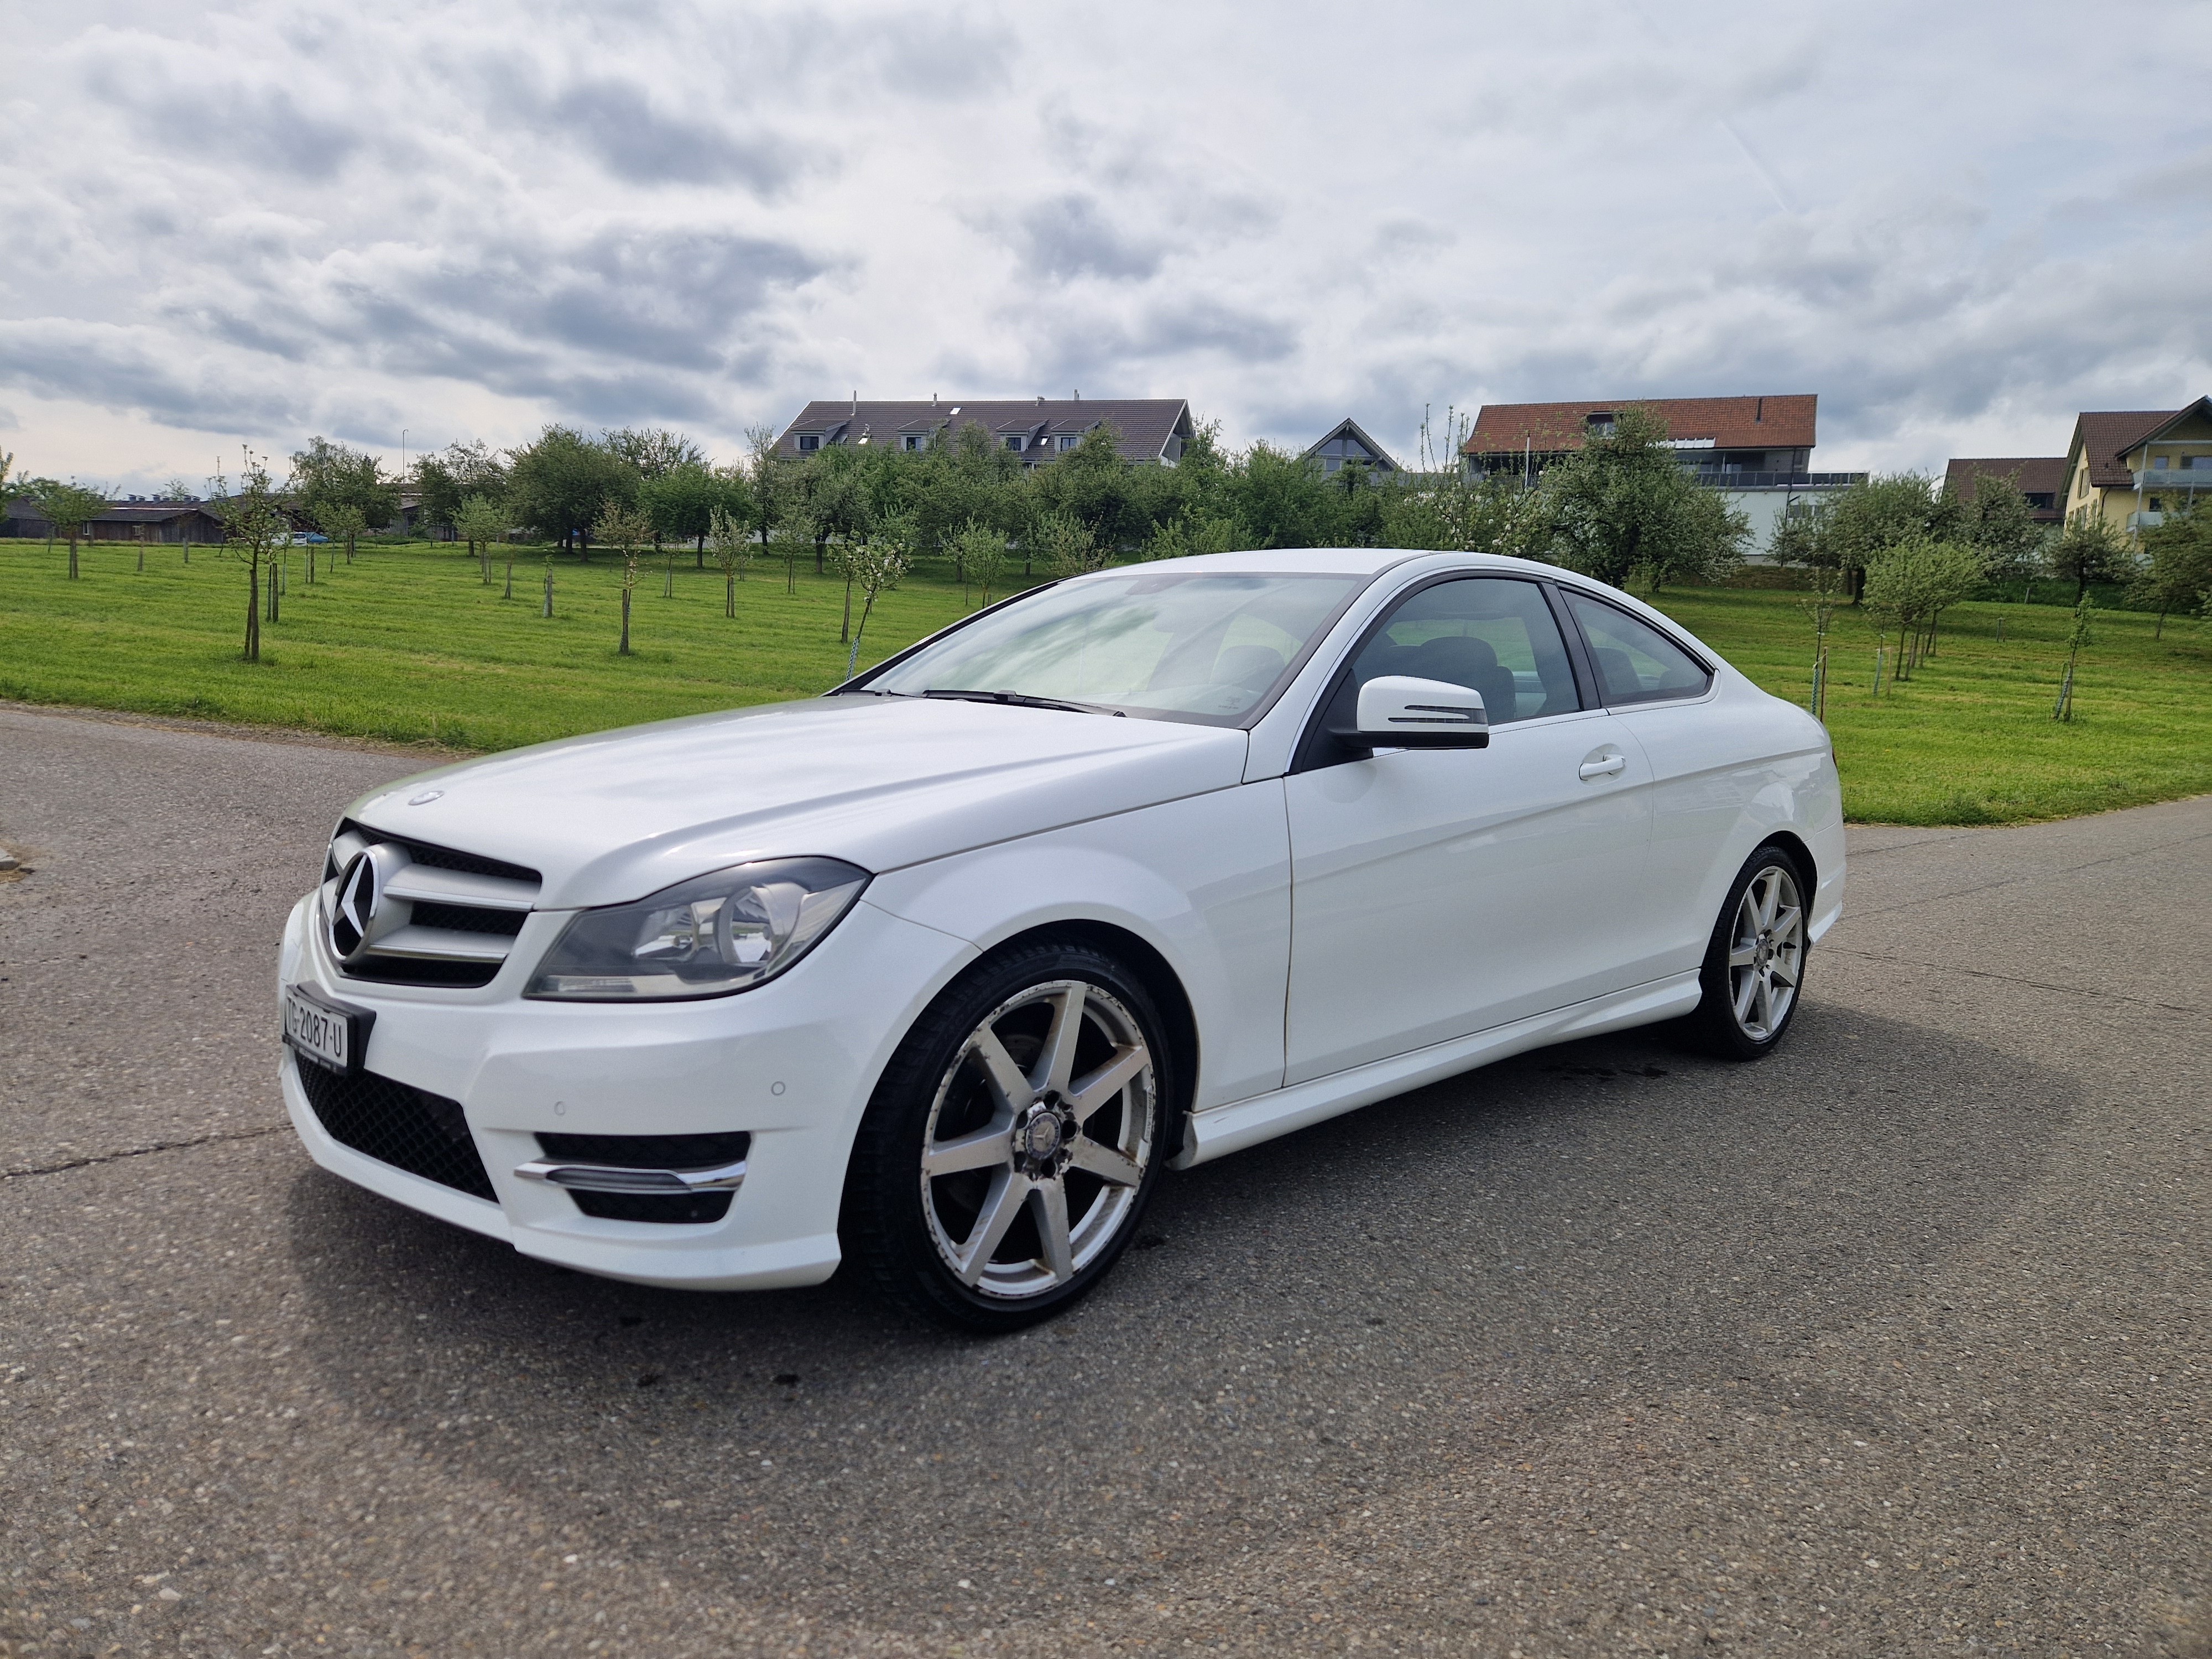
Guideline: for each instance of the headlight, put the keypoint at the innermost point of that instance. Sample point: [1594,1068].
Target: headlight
[704,937]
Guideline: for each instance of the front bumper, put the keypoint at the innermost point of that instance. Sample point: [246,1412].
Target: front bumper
[792,1062]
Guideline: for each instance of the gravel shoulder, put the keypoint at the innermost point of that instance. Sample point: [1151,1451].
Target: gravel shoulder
[1894,1344]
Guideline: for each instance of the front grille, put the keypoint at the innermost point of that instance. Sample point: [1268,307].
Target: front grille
[396,1123]
[442,917]
[710,1151]
[439,858]
[469,918]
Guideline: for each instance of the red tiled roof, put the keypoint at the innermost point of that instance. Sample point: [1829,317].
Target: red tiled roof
[1771,422]
[2109,433]
[2032,475]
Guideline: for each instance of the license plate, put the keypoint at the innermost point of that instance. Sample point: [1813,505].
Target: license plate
[322,1031]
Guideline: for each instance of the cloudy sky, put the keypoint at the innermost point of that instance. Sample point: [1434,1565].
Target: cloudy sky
[1958,224]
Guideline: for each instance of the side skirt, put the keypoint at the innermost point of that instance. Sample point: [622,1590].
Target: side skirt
[1243,1123]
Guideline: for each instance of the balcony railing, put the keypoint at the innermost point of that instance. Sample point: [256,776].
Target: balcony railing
[1740,478]
[2182,480]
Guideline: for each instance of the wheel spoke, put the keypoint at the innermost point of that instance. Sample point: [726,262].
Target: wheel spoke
[1055,1061]
[1011,1089]
[1743,955]
[1766,988]
[1768,889]
[1786,922]
[1101,1086]
[1783,970]
[1049,1205]
[1746,989]
[1000,1206]
[1105,1162]
[985,1148]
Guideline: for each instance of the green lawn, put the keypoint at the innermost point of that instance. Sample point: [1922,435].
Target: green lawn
[407,645]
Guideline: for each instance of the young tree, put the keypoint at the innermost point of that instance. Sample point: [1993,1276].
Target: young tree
[548,584]
[879,564]
[733,551]
[254,525]
[794,536]
[2177,567]
[2077,638]
[1623,503]
[69,508]
[625,530]
[979,552]
[480,522]
[2091,550]
[1912,584]
[342,522]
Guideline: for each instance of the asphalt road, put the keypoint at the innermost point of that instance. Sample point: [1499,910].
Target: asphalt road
[1895,1344]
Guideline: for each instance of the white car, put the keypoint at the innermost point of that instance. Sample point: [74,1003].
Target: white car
[941,970]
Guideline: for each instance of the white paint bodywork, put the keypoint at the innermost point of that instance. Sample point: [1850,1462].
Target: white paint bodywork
[1339,935]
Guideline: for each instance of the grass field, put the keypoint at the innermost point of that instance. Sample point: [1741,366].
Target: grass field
[408,645]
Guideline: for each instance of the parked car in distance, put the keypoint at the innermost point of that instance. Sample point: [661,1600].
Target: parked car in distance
[942,970]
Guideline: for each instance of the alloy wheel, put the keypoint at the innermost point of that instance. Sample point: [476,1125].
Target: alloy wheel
[1766,953]
[1038,1139]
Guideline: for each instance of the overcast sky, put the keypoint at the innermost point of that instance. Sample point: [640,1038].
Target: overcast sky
[1958,224]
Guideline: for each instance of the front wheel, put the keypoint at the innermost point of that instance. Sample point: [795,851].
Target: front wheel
[1014,1142]
[1754,964]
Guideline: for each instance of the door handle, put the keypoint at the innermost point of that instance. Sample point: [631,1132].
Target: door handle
[1598,768]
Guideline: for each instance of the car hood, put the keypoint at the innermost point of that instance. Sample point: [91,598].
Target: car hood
[879,782]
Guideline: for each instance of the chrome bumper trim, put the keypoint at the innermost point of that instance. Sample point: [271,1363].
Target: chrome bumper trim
[610,1178]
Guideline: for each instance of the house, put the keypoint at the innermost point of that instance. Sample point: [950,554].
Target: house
[1152,430]
[1756,450]
[2132,467]
[2041,478]
[1346,444]
[131,520]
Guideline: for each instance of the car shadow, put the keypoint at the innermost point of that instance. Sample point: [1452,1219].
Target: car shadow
[1293,1325]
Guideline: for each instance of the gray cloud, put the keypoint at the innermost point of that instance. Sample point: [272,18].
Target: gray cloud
[1069,236]
[310,216]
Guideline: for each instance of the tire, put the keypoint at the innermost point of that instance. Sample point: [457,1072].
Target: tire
[1753,976]
[1042,1153]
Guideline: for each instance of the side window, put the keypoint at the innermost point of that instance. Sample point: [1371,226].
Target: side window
[1635,662]
[1493,635]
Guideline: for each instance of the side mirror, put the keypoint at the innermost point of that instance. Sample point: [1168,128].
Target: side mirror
[1397,711]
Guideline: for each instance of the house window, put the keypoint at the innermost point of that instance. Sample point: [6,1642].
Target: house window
[809,442]
[1068,440]
[912,441]
[2156,504]
[1014,443]
[2158,463]
[1600,425]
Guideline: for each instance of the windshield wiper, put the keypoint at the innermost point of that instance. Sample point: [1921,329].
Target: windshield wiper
[1018,700]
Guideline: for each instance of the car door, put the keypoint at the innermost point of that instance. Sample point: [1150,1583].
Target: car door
[1706,769]
[1437,892]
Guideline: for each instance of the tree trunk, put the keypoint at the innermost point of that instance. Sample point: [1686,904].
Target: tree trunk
[845,627]
[702,549]
[272,590]
[254,611]
[668,574]
[624,651]
[548,590]
[730,593]
[141,565]
[510,577]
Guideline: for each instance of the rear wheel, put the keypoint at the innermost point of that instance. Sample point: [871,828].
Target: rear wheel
[1754,964]
[1014,1141]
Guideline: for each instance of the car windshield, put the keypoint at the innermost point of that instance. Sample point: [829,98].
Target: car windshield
[1178,645]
